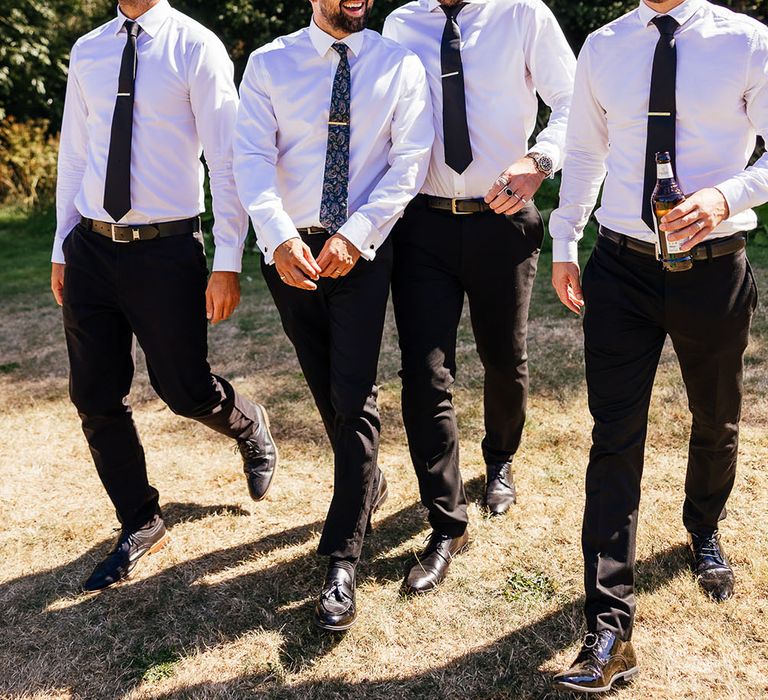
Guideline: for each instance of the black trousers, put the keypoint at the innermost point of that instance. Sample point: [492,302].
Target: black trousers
[337,331]
[153,290]
[440,257]
[632,305]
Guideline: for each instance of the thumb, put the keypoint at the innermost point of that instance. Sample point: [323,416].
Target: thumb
[576,287]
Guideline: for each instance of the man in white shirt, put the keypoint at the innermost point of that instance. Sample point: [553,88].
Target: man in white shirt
[332,141]
[147,93]
[474,231]
[688,78]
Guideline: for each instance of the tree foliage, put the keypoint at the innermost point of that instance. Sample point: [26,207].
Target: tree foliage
[38,35]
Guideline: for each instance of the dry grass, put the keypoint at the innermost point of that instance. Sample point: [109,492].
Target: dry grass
[224,611]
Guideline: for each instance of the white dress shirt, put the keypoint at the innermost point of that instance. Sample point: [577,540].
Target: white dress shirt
[722,102]
[282,133]
[510,49]
[185,102]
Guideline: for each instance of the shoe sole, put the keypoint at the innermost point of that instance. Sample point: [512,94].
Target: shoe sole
[277,454]
[622,677]
[154,549]
[331,628]
[410,592]
[374,508]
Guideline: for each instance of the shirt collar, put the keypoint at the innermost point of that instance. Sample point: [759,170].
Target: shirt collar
[682,13]
[150,22]
[322,41]
[432,5]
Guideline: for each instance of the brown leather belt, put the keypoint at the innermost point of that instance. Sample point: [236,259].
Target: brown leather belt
[121,233]
[715,248]
[311,230]
[458,207]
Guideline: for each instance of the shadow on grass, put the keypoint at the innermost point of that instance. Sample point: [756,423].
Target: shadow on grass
[508,668]
[198,603]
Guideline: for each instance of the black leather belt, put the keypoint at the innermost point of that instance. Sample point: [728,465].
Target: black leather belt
[715,248]
[311,230]
[121,233]
[459,207]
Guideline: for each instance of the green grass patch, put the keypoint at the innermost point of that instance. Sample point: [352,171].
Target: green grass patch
[9,367]
[156,667]
[529,586]
[25,239]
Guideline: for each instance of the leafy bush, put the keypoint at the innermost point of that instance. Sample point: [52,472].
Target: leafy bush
[27,162]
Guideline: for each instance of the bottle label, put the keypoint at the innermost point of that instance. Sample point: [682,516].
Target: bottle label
[664,171]
[675,246]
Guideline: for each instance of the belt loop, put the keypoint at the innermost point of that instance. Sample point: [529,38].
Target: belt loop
[709,252]
[622,245]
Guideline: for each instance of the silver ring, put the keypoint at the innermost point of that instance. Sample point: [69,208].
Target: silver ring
[282,278]
[699,225]
[502,180]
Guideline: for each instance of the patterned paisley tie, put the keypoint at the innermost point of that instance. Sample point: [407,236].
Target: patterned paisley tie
[333,206]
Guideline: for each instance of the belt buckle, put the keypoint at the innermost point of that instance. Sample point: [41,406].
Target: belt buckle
[136,232]
[455,212]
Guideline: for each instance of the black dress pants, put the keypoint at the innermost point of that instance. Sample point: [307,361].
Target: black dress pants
[153,290]
[632,305]
[440,257]
[336,331]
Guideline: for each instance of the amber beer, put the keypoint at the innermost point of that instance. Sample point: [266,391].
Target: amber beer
[666,196]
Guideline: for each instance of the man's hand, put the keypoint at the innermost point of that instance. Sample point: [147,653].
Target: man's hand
[515,187]
[696,217]
[337,257]
[296,265]
[567,283]
[222,295]
[57,282]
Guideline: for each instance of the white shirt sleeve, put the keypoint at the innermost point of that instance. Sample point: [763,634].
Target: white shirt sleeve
[749,188]
[412,137]
[256,153]
[214,101]
[584,168]
[73,151]
[552,66]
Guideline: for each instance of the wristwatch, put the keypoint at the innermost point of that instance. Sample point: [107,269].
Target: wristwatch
[543,162]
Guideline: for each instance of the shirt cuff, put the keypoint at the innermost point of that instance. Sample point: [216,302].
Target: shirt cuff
[358,230]
[227,258]
[736,195]
[57,256]
[274,233]
[564,250]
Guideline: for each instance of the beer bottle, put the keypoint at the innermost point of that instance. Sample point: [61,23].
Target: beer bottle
[666,196]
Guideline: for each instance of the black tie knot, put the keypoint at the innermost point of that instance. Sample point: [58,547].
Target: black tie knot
[132,28]
[665,24]
[452,11]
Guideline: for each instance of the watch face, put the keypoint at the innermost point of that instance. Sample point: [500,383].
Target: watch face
[545,164]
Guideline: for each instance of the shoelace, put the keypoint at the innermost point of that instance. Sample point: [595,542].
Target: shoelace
[499,472]
[249,449]
[710,547]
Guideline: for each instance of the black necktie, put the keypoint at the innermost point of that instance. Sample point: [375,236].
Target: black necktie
[117,186]
[458,149]
[662,109]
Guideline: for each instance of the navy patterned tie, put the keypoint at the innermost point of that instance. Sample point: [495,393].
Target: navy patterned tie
[333,206]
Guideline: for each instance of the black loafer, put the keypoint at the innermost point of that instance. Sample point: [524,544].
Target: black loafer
[500,492]
[260,457]
[604,659]
[335,609]
[382,492]
[130,547]
[710,565]
[432,564]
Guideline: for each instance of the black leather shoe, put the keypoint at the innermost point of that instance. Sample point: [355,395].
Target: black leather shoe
[432,564]
[335,609]
[499,487]
[710,565]
[604,659]
[382,492]
[260,456]
[125,555]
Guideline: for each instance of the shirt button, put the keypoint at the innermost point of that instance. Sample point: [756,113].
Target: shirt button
[373,247]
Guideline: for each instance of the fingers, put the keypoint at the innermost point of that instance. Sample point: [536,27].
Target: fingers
[695,238]
[681,210]
[57,282]
[499,184]
[209,305]
[58,294]
[567,284]
[310,259]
